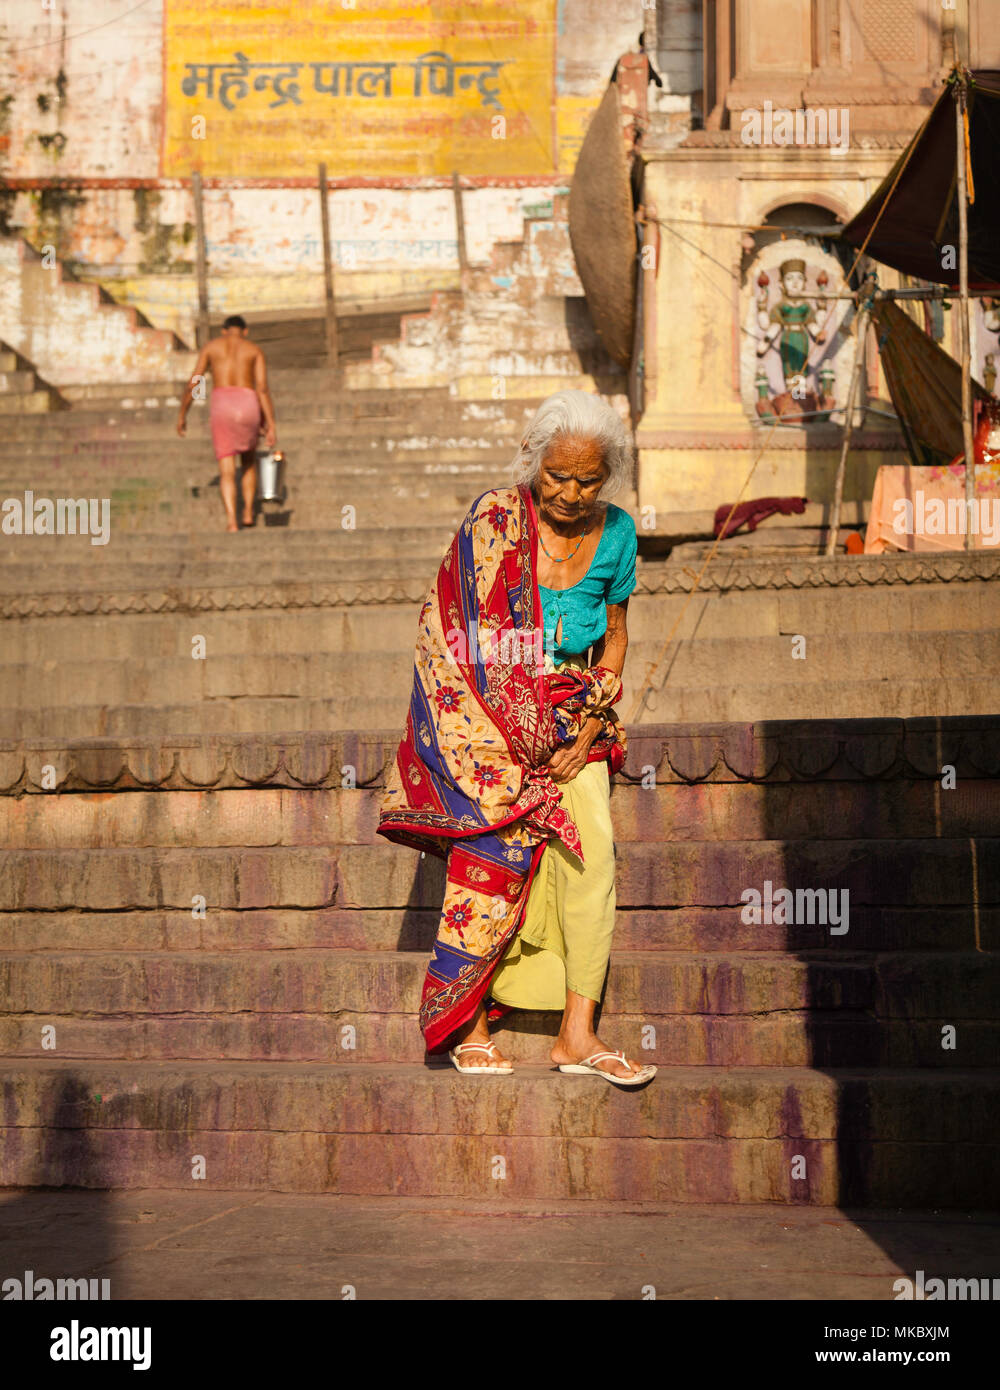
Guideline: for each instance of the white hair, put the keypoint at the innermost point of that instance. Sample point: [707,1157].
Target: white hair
[576,414]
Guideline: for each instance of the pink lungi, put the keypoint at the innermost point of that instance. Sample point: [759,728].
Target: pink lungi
[235,419]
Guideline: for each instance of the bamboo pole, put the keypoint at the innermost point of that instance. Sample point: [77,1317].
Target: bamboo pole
[463,255]
[961,97]
[201,260]
[329,297]
[861,325]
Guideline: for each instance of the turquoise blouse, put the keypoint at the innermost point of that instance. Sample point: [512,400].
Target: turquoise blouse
[583,607]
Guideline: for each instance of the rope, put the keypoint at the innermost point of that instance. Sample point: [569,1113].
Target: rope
[654,665]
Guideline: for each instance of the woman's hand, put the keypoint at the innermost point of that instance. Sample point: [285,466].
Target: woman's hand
[570,758]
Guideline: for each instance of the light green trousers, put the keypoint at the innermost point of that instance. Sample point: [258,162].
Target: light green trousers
[565,941]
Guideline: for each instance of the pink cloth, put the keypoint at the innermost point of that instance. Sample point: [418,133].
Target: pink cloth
[910,508]
[235,419]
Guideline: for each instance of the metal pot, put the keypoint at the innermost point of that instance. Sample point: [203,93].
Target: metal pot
[271,476]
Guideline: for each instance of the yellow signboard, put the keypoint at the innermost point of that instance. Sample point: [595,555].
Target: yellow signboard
[376,88]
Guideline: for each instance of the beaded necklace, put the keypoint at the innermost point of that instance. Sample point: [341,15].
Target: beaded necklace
[561,559]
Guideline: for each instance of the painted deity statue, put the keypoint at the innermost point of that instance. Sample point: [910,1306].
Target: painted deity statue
[791,327]
[991,323]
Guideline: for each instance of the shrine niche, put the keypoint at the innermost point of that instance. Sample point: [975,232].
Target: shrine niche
[795,357]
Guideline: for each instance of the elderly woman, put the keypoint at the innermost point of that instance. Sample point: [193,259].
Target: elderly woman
[511,740]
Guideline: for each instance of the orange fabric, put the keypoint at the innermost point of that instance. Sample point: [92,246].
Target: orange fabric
[927,521]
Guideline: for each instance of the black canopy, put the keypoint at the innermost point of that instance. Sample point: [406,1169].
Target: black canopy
[921,217]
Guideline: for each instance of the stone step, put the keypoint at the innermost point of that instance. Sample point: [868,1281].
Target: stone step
[367,990]
[811,539]
[144,434]
[29,403]
[322,466]
[103,333]
[750,607]
[810,1038]
[890,927]
[667,813]
[890,695]
[842,700]
[896,1138]
[697,670]
[675,528]
[378,493]
[160,450]
[378,503]
[936,872]
[305,384]
[367,593]
[17,381]
[299,414]
[167,679]
[421,545]
[710,662]
[196,507]
[240,716]
[280,325]
[108,570]
[234,715]
[383,498]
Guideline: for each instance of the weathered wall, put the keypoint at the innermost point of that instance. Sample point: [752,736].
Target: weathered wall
[97,99]
[70,334]
[264,244]
[84,83]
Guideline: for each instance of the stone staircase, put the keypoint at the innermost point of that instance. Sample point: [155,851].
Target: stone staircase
[22,390]
[518,327]
[379,480]
[297,338]
[74,331]
[206,952]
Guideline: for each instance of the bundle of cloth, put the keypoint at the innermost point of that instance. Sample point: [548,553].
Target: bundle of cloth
[751,514]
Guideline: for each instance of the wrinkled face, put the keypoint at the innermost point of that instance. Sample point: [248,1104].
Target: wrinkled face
[571,475]
[794,282]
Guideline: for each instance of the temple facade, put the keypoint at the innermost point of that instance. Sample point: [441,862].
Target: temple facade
[798,110]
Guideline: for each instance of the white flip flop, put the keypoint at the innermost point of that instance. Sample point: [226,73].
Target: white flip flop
[488,1048]
[586,1068]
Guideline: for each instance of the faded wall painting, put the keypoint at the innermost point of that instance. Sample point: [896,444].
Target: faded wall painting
[385,89]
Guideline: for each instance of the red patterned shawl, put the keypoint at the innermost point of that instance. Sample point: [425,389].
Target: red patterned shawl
[470,782]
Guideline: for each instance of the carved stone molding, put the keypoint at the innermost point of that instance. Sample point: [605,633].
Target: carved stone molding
[740,573]
[732,139]
[654,577]
[880,750]
[180,599]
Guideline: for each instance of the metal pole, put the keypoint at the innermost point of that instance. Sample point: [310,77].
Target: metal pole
[329,299]
[201,260]
[963,317]
[463,256]
[861,325]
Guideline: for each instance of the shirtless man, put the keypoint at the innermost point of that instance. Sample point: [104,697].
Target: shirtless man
[239,398]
